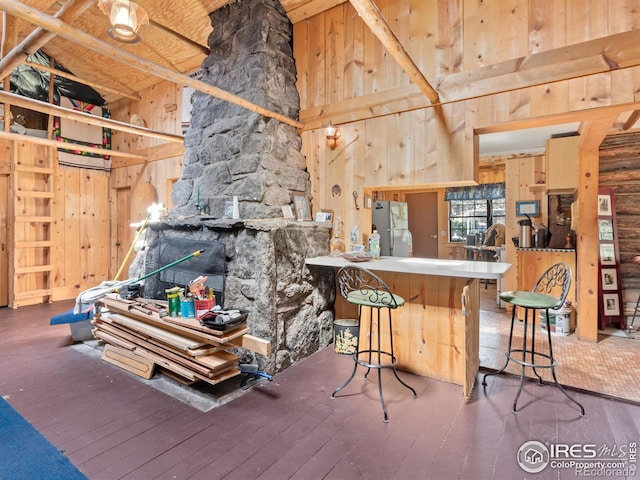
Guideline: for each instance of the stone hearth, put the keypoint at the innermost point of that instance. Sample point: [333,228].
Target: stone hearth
[290,305]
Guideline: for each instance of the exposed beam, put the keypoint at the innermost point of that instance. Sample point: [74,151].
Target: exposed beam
[604,54]
[69,76]
[63,112]
[180,37]
[574,61]
[370,14]
[305,10]
[68,32]
[70,11]
[68,146]
[631,121]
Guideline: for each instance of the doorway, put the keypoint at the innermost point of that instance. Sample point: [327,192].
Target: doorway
[423,223]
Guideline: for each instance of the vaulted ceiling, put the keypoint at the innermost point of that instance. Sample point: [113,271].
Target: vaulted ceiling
[175,38]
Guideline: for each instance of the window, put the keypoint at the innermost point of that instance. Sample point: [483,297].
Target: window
[468,217]
[474,209]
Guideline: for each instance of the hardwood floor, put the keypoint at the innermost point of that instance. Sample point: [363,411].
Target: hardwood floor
[112,425]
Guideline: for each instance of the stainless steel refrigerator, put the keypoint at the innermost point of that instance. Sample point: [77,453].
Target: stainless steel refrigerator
[391,219]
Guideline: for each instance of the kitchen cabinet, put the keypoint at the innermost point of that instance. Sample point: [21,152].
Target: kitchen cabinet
[562,164]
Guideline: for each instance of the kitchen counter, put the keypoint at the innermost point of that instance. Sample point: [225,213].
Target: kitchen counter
[437,331]
[422,266]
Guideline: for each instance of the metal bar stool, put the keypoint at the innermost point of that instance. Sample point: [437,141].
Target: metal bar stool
[556,279]
[364,289]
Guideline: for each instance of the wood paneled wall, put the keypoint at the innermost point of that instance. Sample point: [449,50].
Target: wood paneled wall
[160,108]
[339,59]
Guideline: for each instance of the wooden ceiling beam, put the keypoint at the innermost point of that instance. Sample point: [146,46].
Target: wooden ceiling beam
[376,22]
[573,61]
[600,55]
[69,12]
[63,112]
[65,146]
[179,36]
[631,121]
[75,35]
[60,73]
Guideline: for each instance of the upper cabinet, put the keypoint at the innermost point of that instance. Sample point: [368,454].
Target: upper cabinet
[562,164]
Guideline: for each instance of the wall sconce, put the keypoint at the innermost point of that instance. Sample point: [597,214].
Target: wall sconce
[332,133]
[126,18]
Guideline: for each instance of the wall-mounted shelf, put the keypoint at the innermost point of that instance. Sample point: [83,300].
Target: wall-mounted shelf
[538,187]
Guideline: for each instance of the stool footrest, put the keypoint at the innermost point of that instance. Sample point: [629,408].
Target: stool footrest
[370,363]
[552,362]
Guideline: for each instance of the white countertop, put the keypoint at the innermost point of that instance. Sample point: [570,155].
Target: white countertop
[422,266]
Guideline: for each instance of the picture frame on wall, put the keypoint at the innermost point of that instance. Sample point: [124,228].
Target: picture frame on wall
[611,304]
[605,229]
[529,207]
[604,205]
[302,206]
[609,279]
[324,216]
[607,254]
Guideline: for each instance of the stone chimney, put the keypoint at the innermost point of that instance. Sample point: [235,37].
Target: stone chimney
[231,151]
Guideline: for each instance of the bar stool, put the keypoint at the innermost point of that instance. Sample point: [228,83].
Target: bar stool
[555,280]
[363,288]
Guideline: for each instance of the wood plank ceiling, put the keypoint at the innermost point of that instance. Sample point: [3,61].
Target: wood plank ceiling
[175,38]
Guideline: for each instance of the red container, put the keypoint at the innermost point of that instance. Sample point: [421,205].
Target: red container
[203,306]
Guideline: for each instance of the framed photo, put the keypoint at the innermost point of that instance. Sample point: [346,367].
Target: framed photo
[607,255]
[604,205]
[531,208]
[302,207]
[287,212]
[605,229]
[324,216]
[611,305]
[609,279]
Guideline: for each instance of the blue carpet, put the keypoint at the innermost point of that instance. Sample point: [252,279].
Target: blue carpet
[25,454]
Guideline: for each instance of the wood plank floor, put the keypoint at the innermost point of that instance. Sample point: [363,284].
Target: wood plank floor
[112,425]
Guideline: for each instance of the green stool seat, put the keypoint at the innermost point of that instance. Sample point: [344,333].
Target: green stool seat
[363,288]
[375,299]
[530,300]
[549,293]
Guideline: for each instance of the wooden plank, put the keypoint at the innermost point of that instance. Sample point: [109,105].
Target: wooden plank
[168,323]
[208,367]
[194,324]
[169,338]
[130,361]
[255,344]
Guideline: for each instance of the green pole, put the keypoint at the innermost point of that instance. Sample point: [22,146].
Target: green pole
[172,264]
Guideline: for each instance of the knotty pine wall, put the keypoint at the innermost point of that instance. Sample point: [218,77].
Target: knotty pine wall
[159,108]
[339,59]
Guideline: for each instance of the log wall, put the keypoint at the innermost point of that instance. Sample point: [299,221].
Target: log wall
[620,171]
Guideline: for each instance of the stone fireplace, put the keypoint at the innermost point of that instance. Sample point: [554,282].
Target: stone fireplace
[234,152]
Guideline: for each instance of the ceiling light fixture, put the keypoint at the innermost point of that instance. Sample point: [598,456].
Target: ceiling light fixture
[126,18]
[332,133]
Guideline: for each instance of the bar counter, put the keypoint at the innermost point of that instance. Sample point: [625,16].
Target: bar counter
[436,332]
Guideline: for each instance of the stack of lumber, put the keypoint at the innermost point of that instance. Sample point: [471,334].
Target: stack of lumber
[139,339]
